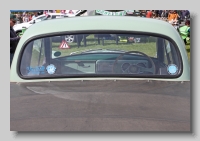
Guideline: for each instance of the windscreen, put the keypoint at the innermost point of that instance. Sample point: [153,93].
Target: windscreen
[101,54]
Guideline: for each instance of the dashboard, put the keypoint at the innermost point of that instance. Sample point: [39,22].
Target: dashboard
[121,66]
[105,67]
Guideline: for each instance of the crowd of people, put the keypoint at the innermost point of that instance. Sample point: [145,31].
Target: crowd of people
[168,15]
[25,17]
[28,16]
[174,17]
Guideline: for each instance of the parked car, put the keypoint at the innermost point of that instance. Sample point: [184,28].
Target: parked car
[18,27]
[73,13]
[105,86]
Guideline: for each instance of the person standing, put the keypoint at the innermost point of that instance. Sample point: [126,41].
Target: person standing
[19,18]
[163,14]
[157,13]
[173,16]
[166,13]
[14,39]
[149,14]
[160,13]
[26,18]
[143,13]
[185,31]
[35,15]
[186,15]
[30,16]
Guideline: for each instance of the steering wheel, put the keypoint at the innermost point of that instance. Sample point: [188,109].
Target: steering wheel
[135,68]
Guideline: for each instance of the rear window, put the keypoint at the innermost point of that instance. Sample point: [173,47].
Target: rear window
[100,54]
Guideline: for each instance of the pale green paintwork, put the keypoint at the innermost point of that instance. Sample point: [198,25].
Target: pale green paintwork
[125,23]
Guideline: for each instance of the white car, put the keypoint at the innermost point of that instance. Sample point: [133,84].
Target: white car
[73,13]
[18,27]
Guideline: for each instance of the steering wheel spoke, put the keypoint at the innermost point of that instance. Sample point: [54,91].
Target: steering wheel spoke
[125,71]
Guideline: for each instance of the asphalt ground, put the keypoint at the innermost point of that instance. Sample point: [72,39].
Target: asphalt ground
[100,106]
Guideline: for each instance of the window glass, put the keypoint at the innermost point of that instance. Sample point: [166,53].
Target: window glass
[101,54]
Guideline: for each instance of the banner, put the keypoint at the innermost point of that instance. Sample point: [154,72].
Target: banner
[109,13]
